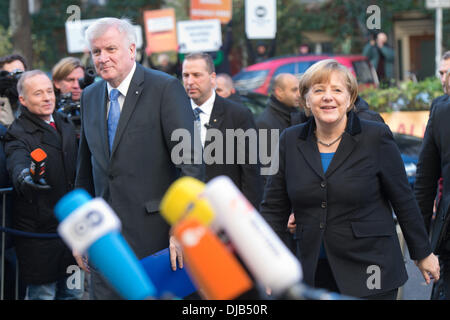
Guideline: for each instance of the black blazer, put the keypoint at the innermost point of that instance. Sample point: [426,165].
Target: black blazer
[349,206]
[227,114]
[434,162]
[134,178]
[41,260]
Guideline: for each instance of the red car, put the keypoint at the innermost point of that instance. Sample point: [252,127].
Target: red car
[258,77]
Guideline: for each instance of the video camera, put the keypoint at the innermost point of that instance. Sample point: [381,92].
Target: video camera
[89,77]
[71,108]
[8,85]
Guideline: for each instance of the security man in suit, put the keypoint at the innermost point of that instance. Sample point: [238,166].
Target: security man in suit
[127,121]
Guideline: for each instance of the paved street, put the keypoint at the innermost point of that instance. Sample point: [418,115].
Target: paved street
[415,288]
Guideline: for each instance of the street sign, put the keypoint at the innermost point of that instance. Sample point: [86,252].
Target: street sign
[199,35]
[434,4]
[260,19]
[160,30]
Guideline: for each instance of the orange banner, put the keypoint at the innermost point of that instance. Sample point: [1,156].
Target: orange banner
[160,30]
[211,9]
[413,123]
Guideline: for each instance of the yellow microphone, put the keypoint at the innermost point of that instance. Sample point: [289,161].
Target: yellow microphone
[184,199]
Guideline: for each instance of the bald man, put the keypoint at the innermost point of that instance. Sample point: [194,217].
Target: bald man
[284,101]
[225,88]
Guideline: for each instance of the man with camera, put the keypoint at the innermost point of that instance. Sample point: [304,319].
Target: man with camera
[11,67]
[69,79]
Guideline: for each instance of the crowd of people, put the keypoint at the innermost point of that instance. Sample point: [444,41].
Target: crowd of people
[340,173]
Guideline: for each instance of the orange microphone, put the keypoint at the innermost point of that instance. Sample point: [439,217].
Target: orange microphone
[214,270]
[37,167]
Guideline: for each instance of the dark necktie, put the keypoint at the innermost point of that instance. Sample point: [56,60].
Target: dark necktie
[113,116]
[198,123]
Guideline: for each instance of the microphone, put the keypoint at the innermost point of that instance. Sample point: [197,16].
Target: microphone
[183,200]
[90,225]
[262,251]
[37,167]
[214,270]
[220,204]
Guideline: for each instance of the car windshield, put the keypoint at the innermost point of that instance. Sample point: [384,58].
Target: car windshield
[408,145]
[249,80]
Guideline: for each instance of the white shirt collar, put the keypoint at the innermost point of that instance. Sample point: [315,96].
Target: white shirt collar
[125,84]
[51,119]
[207,106]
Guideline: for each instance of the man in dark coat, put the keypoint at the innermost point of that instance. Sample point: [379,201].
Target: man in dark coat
[434,163]
[216,116]
[282,109]
[44,260]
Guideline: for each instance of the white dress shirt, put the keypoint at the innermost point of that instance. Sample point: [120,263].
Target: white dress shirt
[123,89]
[205,115]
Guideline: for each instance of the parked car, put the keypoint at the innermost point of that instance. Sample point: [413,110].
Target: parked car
[409,148]
[256,102]
[258,77]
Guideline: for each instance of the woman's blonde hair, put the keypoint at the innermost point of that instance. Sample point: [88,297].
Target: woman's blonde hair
[320,72]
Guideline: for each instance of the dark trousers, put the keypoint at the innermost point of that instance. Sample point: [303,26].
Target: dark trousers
[100,289]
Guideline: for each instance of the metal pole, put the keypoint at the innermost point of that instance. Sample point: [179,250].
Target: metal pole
[438,38]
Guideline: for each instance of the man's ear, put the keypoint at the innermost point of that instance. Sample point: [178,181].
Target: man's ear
[133,50]
[22,100]
[278,92]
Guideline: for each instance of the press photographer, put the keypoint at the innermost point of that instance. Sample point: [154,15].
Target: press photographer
[69,80]
[11,68]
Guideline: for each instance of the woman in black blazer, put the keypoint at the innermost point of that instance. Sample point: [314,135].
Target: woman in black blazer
[340,176]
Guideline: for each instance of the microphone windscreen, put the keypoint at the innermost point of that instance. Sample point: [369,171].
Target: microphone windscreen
[38,155]
[216,272]
[183,199]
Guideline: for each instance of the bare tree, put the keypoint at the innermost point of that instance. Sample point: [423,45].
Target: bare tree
[20,24]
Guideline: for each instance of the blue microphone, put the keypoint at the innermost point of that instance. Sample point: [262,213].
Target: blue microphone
[90,225]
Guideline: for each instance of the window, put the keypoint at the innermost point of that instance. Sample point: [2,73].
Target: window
[249,80]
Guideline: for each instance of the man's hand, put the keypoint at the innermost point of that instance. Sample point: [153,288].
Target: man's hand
[28,186]
[429,265]
[291,225]
[81,260]
[175,254]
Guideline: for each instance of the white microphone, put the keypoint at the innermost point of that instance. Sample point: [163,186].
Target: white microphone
[262,251]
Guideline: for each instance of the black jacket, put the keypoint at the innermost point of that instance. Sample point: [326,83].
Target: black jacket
[276,116]
[434,162]
[227,114]
[41,260]
[348,207]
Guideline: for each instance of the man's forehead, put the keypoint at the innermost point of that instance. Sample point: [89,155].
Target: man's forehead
[37,82]
[445,65]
